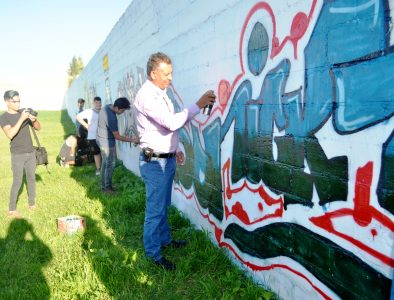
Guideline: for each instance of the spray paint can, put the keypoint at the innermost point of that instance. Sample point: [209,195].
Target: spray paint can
[207,110]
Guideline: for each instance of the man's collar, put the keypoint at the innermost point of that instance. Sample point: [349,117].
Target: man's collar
[157,88]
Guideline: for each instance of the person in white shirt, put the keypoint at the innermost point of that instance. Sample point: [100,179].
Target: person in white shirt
[89,119]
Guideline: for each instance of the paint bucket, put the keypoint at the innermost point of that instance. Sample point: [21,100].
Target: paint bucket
[71,224]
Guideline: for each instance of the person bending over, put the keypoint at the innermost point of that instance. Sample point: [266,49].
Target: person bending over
[68,151]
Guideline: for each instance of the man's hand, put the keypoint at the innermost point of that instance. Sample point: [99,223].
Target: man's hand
[25,115]
[180,158]
[34,121]
[32,118]
[208,98]
[135,140]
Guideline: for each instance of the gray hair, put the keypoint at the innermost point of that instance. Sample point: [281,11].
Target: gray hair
[154,61]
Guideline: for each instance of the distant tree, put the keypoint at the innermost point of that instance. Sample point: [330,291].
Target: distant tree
[76,67]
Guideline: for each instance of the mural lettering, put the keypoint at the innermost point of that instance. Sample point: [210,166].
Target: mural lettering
[281,172]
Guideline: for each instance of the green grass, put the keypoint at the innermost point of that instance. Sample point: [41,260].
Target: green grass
[106,261]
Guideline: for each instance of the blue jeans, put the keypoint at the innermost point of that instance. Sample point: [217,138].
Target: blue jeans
[107,165]
[20,162]
[158,175]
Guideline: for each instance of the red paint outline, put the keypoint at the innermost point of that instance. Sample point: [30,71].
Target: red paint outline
[363,213]
[277,47]
[219,234]
[226,182]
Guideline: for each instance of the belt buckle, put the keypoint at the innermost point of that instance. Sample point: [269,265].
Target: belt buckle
[148,153]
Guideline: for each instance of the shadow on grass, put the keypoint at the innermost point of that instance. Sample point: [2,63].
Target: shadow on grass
[22,257]
[67,123]
[117,266]
[119,269]
[118,260]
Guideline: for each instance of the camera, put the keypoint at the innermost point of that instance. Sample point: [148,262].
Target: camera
[31,111]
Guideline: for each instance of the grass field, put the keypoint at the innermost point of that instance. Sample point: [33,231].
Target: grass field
[107,260]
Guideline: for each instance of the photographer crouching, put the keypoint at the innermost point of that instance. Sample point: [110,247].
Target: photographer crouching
[15,123]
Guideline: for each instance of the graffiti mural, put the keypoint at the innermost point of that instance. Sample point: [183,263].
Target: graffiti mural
[292,172]
[128,87]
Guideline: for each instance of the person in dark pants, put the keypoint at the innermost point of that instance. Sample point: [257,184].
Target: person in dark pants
[89,120]
[158,124]
[81,132]
[16,126]
[107,133]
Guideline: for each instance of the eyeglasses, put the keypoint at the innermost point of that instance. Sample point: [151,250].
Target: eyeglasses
[14,101]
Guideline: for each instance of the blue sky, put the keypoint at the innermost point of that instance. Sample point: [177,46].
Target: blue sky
[38,39]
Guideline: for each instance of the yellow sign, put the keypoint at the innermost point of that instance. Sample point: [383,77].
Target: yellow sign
[105,62]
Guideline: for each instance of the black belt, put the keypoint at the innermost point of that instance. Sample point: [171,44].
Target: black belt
[162,155]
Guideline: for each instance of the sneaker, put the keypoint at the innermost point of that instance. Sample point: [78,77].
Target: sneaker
[98,172]
[14,214]
[176,244]
[165,263]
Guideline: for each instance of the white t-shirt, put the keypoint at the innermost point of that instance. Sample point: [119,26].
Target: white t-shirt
[92,116]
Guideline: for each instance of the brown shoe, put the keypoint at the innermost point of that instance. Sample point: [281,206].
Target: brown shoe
[14,214]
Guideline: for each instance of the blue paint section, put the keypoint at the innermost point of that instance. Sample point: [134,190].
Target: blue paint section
[211,135]
[200,158]
[236,113]
[258,48]
[361,84]
[345,32]
[354,29]
[271,98]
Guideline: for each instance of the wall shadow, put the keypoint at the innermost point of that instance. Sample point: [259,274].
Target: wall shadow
[67,123]
[22,258]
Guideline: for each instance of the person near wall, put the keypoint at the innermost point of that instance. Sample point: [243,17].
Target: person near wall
[158,125]
[16,125]
[107,133]
[68,151]
[89,120]
[80,105]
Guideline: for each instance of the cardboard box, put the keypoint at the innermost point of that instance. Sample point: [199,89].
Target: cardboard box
[71,224]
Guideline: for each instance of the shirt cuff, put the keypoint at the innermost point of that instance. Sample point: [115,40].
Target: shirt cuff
[193,110]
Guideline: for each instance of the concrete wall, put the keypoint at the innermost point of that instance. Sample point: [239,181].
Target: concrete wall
[293,171]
